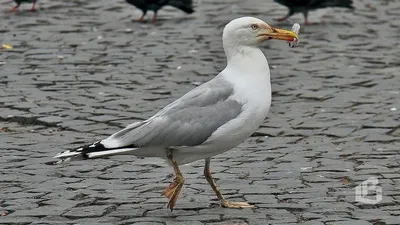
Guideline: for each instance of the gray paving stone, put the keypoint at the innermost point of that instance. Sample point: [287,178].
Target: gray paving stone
[390,220]
[381,138]
[146,223]
[317,95]
[126,211]
[339,131]
[313,222]
[42,211]
[17,220]
[183,223]
[287,206]
[355,222]
[8,113]
[154,220]
[88,211]
[260,199]
[201,218]
[228,222]
[167,213]
[51,119]
[103,118]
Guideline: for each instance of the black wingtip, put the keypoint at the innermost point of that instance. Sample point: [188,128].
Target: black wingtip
[95,147]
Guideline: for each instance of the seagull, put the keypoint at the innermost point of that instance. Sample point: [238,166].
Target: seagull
[15,8]
[304,6]
[208,120]
[155,5]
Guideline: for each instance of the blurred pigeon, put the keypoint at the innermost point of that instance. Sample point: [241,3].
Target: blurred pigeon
[303,6]
[15,8]
[155,5]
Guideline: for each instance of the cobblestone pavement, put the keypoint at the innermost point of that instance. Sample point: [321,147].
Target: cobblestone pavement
[81,70]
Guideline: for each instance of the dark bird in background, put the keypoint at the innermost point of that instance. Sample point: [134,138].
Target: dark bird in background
[155,5]
[303,6]
[15,8]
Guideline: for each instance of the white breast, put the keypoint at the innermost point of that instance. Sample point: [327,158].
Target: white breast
[252,88]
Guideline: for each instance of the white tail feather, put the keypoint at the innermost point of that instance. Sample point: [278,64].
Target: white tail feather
[79,154]
[121,151]
[67,154]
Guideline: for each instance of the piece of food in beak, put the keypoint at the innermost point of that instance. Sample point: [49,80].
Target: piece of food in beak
[295,42]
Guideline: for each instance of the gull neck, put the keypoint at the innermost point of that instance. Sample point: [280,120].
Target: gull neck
[246,58]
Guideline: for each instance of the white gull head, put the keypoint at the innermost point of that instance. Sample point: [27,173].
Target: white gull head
[250,32]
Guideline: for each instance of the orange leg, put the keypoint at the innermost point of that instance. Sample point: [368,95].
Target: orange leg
[173,190]
[222,200]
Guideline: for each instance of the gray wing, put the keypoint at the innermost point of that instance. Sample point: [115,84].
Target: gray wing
[188,121]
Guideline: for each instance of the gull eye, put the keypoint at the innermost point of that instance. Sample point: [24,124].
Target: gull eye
[254,26]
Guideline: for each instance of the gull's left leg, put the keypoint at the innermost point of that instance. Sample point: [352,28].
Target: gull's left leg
[172,191]
[222,200]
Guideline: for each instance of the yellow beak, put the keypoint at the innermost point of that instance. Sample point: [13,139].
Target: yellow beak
[279,34]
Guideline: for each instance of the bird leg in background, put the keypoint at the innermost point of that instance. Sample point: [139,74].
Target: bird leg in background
[305,13]
[172,191]
[290,13]
[142,17]
[14,9]
[154,17]
[222,200]
[33,9]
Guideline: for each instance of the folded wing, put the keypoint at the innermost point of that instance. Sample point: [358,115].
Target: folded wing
[188,121]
